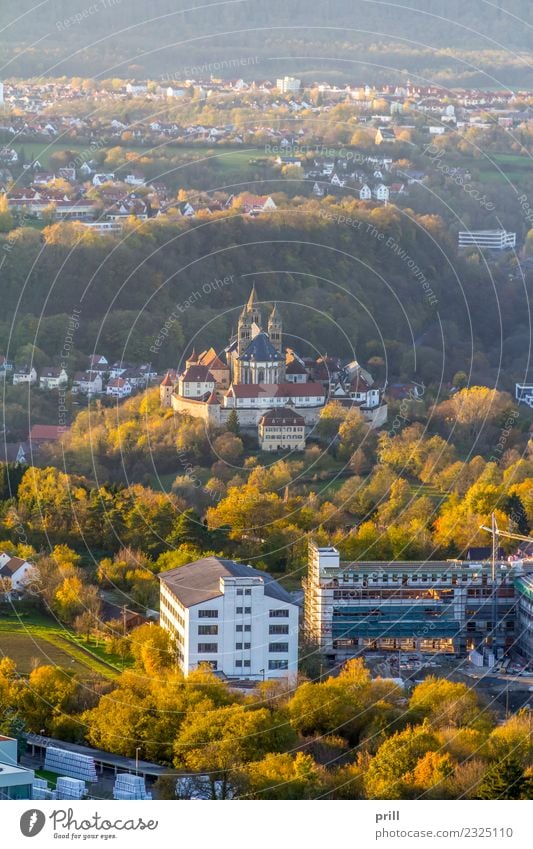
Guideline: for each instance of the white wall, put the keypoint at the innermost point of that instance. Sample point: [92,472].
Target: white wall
[255,661]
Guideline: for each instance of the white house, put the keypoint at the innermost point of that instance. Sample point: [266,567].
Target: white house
[87,383]
[364,191]
[119,388]
[281,430]
[53,378]
[24,374]
[100,179]
[196,381]
[267,396]
[236,619]
[381,192]
[15,569]
[134,179]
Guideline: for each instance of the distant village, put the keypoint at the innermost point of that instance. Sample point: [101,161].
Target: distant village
[103,199]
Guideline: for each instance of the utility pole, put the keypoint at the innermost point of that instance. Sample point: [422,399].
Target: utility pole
[494,528]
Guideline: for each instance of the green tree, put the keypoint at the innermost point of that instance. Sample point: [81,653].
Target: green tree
[232,423]
[503,780]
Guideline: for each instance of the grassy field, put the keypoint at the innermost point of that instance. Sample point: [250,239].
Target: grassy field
[36,640]
[29,651]
[227,157]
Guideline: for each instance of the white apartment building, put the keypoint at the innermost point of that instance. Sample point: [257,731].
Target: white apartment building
[288,84]
[496,240]
[234,618]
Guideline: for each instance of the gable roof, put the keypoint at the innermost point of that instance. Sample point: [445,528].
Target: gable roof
[197,374]
[47,432]
[284,417]
[11,567]
[200,581]
[211,359]
[276,390]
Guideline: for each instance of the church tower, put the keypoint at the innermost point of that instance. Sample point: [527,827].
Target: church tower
[253,307]
[244,331]
[275,329]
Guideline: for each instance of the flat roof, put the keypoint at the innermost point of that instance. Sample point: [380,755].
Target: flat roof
[105,758]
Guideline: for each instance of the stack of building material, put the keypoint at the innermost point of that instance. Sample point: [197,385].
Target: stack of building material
[130,787]
[70,764]
[70,788]
[40,789]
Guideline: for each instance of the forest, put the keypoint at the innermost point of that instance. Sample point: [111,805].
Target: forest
[142,488]
[344,737]
[416,38]
[355,277]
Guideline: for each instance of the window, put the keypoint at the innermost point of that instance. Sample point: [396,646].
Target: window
[239,592]
[247,645]
[278,647]
[278,629]
[238,628]
[247,627]
[247,592]
[247,609]
[207,648]
[238,610]
[208,614]
[278,664]
[238,646]
[238,663]
[203,630]
[280,613]
[246,663]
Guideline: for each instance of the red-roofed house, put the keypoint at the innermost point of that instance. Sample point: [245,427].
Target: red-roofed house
[46,433]
[268,395]
[118,387]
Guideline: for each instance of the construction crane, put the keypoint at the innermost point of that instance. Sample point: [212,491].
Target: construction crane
[496,533]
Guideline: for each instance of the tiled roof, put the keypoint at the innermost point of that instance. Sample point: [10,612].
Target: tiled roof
[276,390]
[282,417]
[261,350]
[47,432]
[197,374]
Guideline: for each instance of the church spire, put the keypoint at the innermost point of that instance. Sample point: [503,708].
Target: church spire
[252,300]
[275,328]
[252,307]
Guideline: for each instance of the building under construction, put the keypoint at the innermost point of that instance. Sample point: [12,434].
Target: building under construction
[449,607]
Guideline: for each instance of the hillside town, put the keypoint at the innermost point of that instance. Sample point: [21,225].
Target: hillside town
[266,468]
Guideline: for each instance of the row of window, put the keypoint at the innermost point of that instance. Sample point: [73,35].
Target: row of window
[212,630]
[204,630]
[349,577]
[284,429]
[212,613]
[244,592]
[212,648]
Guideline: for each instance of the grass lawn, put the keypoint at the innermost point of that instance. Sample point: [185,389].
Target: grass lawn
[28,651]
[227,157]
[33,636]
